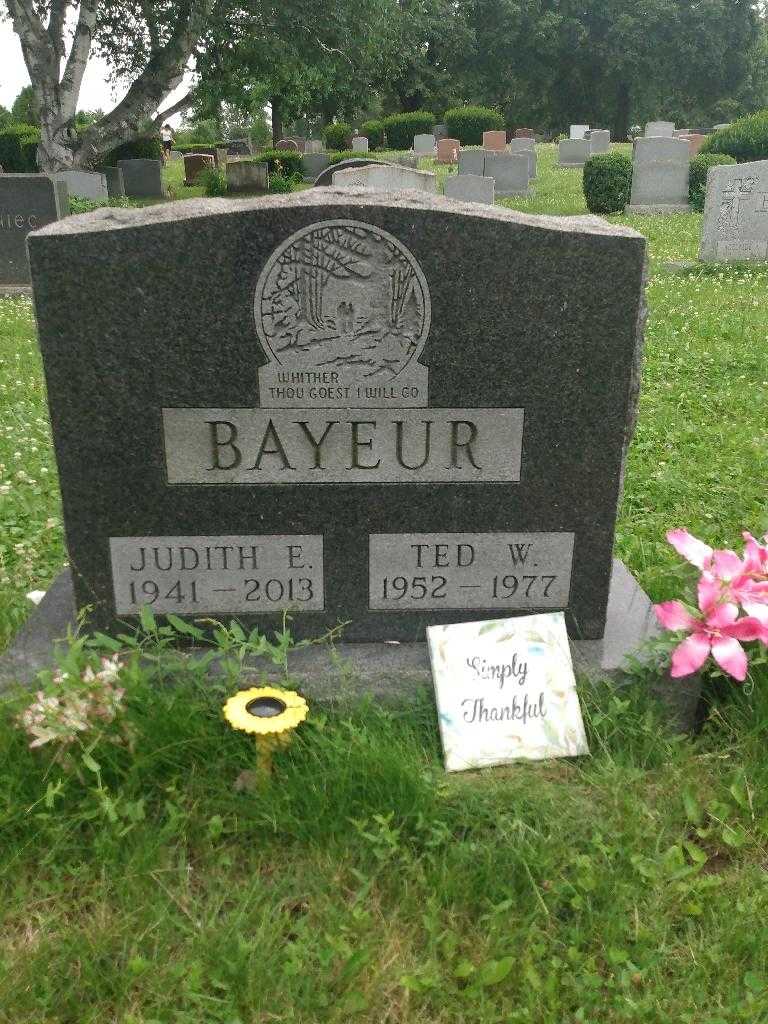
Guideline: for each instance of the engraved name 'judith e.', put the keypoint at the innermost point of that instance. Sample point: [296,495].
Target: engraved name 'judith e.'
[342,310]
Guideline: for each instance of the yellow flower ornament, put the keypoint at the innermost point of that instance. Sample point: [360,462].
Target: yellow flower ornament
[265,710]
[270,715]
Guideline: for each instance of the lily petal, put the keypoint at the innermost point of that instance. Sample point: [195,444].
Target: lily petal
[722,616]
[709,591]
[730,656]
[726,564]
[746,629]
[674,615]
[690,655]
[695,551]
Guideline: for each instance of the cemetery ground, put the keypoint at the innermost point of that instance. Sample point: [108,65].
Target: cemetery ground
[363,884]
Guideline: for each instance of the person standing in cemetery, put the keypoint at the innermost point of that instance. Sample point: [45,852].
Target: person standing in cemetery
[167,135]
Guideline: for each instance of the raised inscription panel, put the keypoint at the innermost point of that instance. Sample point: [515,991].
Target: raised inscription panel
[431,571]
[289,446]
[251,575]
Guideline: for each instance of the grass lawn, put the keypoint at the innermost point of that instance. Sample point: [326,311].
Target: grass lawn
[363,884]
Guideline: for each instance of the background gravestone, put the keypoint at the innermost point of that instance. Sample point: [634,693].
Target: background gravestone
[194,165]
[660,168]
[27,202]
[472,161]
[342,448]
[510,173]
[578,131]
[389,177]
[470,188]
[526,145]
[245,175]
[86,184]
[736,213]
[142,179]
[325,177]
[424,145]
[573,152]
[115,183]
[599,140]
[360,144]
[494,140]
[660,129]
[239,147]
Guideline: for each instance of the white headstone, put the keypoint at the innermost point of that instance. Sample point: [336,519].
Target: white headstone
[656,129]
[313,146]
[505,691]
[360,144]
[578,131]
[736,213]
[470,188]
[660,169]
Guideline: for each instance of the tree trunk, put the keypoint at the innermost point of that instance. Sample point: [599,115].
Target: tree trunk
[277,120]
[623,112]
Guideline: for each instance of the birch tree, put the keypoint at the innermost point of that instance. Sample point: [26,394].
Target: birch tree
[149,42]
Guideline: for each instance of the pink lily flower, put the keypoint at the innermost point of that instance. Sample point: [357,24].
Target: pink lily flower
[725,565]
[718,631]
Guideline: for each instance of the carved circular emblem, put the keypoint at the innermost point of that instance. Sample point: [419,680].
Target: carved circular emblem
[346,296]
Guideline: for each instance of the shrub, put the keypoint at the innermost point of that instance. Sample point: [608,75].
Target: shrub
[746,139]
[697,176]
[288,159]
[79,204]
[401,128]
[213,180]
[374,132]
[280,183]
[467,124]
[337,135]
[18,148]
[200,147]
[607,182]
[350,154]
[146,147]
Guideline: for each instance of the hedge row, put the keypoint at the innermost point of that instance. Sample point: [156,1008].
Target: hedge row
[337,135]
[467,124]
[146,147]
[374,132]
[18,148]
[697,177]
[746,139]
[401,128]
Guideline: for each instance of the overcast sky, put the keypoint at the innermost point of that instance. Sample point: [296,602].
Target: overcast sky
[95,92]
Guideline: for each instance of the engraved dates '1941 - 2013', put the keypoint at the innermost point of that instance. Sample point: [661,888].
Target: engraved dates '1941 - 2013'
[255,575]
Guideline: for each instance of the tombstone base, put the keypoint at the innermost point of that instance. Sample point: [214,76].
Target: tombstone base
[656,208]
[392,670]
[9,291]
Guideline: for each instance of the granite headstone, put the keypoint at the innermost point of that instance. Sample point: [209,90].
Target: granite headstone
[448,151]
[247,175]
[573,152]
[27,202]
[115,183]
[470,188]
[660,129]
[660,168]
[325,177]
[525,144]
[510,172]
[143,179]
[338,414]
[85,184]
[386,177]
[424,144]
[578,131]
[360,144]
[599,140]
[472,161]
[194,165]
[495,141]
[736,213]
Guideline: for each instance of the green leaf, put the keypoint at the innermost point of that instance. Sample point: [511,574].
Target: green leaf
[108,642]
[754,982]
[353,1002]
[693,809]
[147,619]
[463,969]
[91,764]
[494,971]
[186,628]
[488,627]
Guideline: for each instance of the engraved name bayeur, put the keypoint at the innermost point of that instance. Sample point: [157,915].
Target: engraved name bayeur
[342,310]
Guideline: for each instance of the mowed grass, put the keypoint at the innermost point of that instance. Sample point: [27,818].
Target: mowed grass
[364,884]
